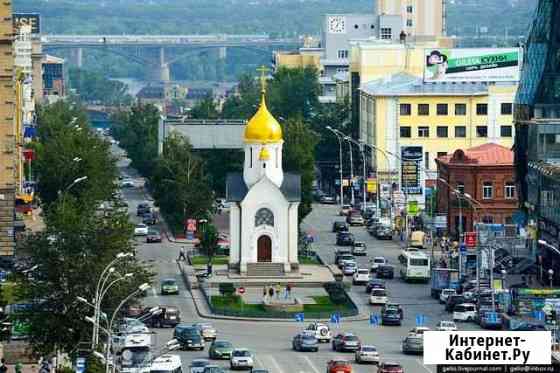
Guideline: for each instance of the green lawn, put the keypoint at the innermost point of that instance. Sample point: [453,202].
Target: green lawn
[234,304]
[323,304]
[308,260]
[201,260]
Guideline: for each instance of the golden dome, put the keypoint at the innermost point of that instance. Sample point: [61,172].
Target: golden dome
[263,128]
[264,155]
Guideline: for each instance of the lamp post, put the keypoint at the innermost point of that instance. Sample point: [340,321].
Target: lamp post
[362,150]
[338,138]
[459,195]
[352,198]
[550,276]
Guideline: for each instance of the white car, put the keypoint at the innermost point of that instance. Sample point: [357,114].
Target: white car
[418,330]
[367,354]
[127,183]
[349,268]
[446,326]
[322,331]
[207,331]
[464,312]
[445,293]
[141,230]
[361,276]
[378,296]
[241,358]
[376,262]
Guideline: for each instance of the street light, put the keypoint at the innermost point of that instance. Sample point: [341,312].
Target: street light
[338,138]
[550,276]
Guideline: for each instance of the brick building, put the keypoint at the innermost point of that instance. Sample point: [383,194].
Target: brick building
[485,174]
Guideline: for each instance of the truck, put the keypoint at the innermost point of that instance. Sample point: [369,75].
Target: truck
[443,278]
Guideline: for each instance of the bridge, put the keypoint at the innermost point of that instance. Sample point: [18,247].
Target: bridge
[137,48]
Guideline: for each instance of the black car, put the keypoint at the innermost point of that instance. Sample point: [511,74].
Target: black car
[142,209]
[375,284]
[153,236]
[454,300]
[391,316]
[149,218]
[188,337]
[169,316]
[339,226]
[385,271]
[345,239]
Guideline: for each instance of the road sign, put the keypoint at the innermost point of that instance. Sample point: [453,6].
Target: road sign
[80,365]
[241,290]
[539,315]
[420,320]
[374,319]
[335,318]
[492,317]
[470,239]
[300,317]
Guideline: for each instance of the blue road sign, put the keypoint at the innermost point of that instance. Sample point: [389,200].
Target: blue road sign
[335,318]
[80,365]
[539,315]
[420,320]
[463,247]
[492,317]
[300,317]
[374,319]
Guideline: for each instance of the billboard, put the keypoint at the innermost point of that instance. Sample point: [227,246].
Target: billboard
[32,19]
[411,156]
[472,65]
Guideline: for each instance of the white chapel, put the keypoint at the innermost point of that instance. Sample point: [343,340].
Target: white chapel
[264,203]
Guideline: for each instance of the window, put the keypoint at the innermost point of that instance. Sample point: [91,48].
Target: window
[509,190]
[423,131]
[409,22]
[460,187]
[506,108]
[405,132]
[481,131]
[488,219]
[505,131]
[481,109]
[386,33]
[356,26]
[487,190]
[460,131]
[423,109]
[441,154]
[441,109]
[409,9]
[427,160]
[343,53]
[508,220]
[406,109]
[442,131]
[460,109]
[264,217]
[341,70]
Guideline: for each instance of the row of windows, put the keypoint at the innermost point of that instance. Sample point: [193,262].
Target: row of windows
[488,189]
[460,131]
[460,109]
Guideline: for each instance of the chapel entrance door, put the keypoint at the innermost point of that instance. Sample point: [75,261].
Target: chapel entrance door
[264,249]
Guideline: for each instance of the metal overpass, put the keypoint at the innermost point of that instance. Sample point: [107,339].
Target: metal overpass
[139,48]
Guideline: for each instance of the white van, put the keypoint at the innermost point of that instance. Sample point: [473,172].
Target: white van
[378,296]
[464,312]
[166,364]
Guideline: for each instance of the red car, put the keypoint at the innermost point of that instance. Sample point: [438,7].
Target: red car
[389,367]
[339,366]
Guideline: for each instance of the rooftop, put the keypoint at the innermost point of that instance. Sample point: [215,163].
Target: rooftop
[483,155]
[403,84]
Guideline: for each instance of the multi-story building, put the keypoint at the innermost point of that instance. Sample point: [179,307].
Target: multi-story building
[537,144]
[421,19]
[7,131]
[53,78]
[486,174]
[402,114]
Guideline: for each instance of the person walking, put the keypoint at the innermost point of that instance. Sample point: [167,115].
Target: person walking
[288,290]
[265,293]
[3,367]
[271,292]
[181,255]
[278,290]
[19,367]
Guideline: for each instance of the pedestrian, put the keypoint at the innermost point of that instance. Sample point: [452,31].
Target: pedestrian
[270,293]
[181,255]
[278,290]
[3,367]
[18,367]
[265,293]
[288,290]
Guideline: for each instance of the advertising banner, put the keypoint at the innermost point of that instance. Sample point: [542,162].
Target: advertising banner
[32,19]
[472,64]
[411,156]
[372,185]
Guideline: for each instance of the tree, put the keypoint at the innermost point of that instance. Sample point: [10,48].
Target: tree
[95,87]
[205,109]
[209,240]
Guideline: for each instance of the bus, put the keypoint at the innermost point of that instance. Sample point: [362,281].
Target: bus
[133,352]
[414,266]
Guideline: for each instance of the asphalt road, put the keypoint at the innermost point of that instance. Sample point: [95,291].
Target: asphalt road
[271,341]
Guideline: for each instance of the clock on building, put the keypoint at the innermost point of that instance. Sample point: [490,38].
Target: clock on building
[337,24]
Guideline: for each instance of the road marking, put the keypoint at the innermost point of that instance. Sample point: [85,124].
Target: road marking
[276,365]
[315,370]
[259,362]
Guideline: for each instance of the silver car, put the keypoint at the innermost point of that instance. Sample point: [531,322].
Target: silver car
[207,331]
[413,344]
[367,354]
[198,365]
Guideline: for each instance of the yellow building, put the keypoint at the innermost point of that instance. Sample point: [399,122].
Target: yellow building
[303,58]
[422,19]
[401,111]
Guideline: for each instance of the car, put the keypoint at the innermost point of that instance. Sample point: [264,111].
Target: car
[359,248]
[241,358]
[340,253]
[385,271]
[322,331]
[418,330]
[345,239]
[393,306]
[391,316]
[355,218]
[127,183]
[390,367]
[350,267]
[198,365]
[454,300]
[327,199]
[367,354]
[369,212]
[207,331]
[143,208]
[153,236]
[413,344]
[141,230]
[384,232]
[343,259]
[464,312]
[149,218]
[213,369]
[378,296]
[169,286]
[339,366]
[361,276]
[305,342]
[488,319]
[445,293]
[169,316]
[130,325]
[376,262]
[220,350]
[345,210]
[446,326]
[189,337]
[339,226]
[375,284]
[346,342]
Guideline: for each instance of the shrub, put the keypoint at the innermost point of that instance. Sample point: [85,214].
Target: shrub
[226,289]
[336,292]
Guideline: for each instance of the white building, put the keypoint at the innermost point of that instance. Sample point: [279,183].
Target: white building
[265,200]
